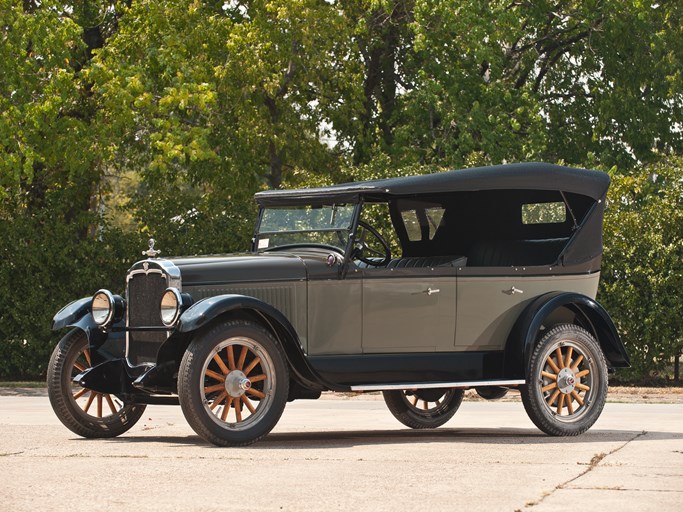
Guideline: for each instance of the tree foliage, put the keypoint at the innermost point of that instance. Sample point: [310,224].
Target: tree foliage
[124,119]
[643,271]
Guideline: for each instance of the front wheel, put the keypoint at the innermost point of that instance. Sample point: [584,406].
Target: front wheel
[567,382]
[424,408]
[84,411]
[233,383]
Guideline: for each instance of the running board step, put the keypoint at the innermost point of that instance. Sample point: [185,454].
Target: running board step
[433,385]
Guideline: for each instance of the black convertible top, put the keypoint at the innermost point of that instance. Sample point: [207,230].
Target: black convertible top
[529,176]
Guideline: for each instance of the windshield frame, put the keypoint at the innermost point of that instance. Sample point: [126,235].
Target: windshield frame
[346,251]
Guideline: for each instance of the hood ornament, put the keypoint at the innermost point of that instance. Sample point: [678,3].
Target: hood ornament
[151,252]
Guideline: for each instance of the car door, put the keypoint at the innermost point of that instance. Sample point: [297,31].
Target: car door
[408,309]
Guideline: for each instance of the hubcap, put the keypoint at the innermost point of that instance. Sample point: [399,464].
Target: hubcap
[236,383]
[566,381]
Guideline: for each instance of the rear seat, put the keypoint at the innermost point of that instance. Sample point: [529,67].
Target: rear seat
[504,253]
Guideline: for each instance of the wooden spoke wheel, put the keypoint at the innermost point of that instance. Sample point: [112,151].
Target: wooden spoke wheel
[424,408]
[233,383]
[567,384]
[82,410]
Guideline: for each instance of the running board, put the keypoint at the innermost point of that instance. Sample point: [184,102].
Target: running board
[433,385]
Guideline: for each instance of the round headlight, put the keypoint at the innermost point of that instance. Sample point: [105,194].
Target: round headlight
[102,307]
[170,306]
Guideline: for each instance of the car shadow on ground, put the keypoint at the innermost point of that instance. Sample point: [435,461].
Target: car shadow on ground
[355,438]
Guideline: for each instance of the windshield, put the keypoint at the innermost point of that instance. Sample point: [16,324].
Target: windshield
[305,225]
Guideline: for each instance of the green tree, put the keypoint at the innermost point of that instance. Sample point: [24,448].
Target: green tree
[642,274]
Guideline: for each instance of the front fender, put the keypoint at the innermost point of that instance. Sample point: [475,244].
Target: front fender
[71,313]
[77,315]
[207,310]
[588,314]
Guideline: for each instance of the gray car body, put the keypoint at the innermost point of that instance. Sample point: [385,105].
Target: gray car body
[344,325]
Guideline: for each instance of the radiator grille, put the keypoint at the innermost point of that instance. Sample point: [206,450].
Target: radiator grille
[144,295]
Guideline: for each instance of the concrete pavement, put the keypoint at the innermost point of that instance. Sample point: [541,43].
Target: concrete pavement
[347,455]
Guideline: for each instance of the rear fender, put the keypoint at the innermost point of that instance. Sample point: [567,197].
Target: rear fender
[587,313]
[212,309]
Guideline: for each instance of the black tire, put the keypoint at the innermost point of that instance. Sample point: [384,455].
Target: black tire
[567,382]
[404,405]
[73,404]
[224,370]
[491,392]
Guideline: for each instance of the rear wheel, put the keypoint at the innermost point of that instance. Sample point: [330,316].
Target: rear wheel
[491,392]
[233,383]
[82,410]
[567,383]
[424,408]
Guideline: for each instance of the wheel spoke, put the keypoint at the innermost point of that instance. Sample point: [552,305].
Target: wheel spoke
[99,405]
[549,375]
[110,402]
[577,362]
[80,393]
[89,402]
[86,353]
[577,397]
[238,412]
[215,375]
[582,373]
[221,364]
[550,386]
[551,400]
[248,403]
[231,357]
[215,387]
[582,387]
[568,359]
[217,401]
[226,408]
[258,378]
[252,365]
[426,405]
[552,364]
[415,400]
[243,356]
[560,404]
[256,393]
[80,367]
[570,406]
[559,358]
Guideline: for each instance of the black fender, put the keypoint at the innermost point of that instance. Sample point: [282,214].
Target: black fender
[207,310]
[589,314]
[71,313]
[77,316]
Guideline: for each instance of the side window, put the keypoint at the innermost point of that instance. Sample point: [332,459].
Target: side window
[434,217]
[544,213]
[412,225]
[424,217]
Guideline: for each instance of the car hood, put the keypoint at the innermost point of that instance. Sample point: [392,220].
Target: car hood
[240,268]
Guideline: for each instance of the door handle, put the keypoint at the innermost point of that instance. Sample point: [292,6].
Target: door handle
[512,291]
[432,291]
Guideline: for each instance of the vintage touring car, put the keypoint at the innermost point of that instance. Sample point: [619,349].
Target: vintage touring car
[419,287]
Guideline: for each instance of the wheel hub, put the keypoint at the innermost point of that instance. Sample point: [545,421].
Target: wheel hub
[566,381]
[237,383]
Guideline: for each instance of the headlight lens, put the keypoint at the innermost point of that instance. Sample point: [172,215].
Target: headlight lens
[102,307]
[171,303]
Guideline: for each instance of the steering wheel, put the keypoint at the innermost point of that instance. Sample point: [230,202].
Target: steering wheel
[362,247]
